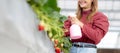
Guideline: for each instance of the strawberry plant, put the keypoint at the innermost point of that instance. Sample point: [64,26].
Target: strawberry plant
[51,21]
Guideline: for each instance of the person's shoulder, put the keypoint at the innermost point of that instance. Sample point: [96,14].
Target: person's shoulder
[100,14]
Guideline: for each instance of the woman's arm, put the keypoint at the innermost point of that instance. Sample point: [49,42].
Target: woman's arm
[67,24]
[98,30]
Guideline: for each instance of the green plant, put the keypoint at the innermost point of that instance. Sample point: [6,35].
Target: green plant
[49,15]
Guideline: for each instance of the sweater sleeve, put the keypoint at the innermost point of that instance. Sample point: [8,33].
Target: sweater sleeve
[98,30]
[67,25]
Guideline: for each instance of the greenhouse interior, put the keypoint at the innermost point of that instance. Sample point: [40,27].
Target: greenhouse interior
[19,31]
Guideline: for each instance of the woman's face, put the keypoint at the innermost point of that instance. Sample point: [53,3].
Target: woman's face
[85,3]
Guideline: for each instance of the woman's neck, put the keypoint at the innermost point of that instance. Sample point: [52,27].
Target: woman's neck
[86,9]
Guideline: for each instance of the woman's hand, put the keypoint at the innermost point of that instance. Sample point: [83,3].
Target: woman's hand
[74,20]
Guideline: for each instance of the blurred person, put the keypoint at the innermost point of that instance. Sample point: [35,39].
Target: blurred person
[93,25]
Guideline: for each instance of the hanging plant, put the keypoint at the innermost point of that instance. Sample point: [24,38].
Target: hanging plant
[51,21]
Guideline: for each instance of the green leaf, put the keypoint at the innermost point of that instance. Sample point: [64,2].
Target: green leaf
[48,12]
[53,5]
[41,2]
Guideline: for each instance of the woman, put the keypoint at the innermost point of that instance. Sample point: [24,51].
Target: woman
[93,24]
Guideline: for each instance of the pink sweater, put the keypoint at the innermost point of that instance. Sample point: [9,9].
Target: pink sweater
[92,32]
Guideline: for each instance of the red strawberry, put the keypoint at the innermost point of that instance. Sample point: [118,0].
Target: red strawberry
[40,27]
[57,50]
[56,41]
